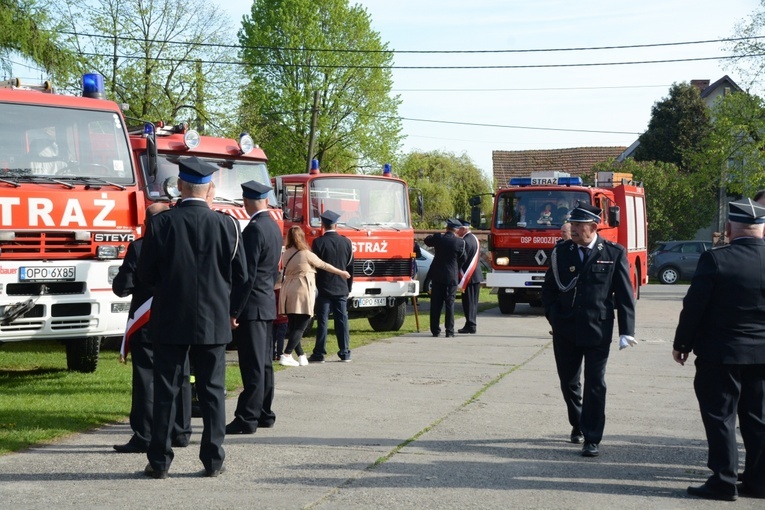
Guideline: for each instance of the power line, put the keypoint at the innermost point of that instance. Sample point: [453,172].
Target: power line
[423,52]
[475,124]
[527,66]
[535,89]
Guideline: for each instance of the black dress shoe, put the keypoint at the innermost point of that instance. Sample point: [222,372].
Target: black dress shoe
[266,424]
[313,358]
[150,471]
[706,492]
[748,492]
[236,427]
[129,448]
[450,335]
[590,450]
[466,331]
[213,473]
[576,436]
[177,443]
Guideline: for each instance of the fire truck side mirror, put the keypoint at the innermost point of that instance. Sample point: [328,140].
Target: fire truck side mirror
[151,153]
[614,216]
[475,216]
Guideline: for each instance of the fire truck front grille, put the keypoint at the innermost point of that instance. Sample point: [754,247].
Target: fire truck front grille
[376,268]
[37,289]
[45,243]
[535,257]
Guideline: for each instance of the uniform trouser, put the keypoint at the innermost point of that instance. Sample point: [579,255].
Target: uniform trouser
[442,296]
[470,305]
[586,411]
[142,408]
[339,306]
[210,371]
[253,341]
[722,391]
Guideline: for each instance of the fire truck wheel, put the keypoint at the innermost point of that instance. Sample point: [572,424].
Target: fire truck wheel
[506,303]
[391,319]
[82,354]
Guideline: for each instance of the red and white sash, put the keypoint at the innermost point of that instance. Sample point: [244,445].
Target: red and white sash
[465,276]
[139,320]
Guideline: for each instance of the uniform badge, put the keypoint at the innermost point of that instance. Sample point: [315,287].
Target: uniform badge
[572,268]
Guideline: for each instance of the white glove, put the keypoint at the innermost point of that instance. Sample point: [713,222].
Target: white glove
[626,341]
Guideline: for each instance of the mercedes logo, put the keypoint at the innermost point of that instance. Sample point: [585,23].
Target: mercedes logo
[368,268]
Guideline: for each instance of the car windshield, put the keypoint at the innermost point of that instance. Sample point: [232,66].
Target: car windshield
[536,209]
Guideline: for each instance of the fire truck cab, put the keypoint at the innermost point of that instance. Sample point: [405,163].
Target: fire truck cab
[526,226]
[158,148]
[69,205]
[374,215]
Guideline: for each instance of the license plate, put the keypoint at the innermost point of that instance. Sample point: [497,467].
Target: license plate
[46,274]
[371,301]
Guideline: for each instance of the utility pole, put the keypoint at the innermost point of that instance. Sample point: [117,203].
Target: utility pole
[312,133]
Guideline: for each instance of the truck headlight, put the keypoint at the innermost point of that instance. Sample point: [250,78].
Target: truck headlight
[502,261]
[111,273]
[107,252]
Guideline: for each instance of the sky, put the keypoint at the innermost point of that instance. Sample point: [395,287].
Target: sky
[611,98]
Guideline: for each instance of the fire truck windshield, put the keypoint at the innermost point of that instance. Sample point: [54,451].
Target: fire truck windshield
[361,202]
[61,143]
[228,179]
[535,209]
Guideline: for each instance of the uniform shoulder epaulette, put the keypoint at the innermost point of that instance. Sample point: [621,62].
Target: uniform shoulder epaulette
[720,247]
[609,242]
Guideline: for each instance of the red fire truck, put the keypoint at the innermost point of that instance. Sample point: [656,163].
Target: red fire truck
[158,149]
[69,205]
[526,225]
[374,215]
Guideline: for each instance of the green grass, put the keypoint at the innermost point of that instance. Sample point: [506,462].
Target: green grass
[42,401]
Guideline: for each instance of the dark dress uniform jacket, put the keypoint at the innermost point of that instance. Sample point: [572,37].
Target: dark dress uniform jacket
[192,290]
[336,250]
[126,283]
[471,247]
[262,241]
[723,316]
[449,256]
[604,284]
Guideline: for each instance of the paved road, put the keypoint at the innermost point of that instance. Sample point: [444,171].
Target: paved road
[418,422]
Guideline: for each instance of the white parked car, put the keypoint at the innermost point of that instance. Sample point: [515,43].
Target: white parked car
[423,266]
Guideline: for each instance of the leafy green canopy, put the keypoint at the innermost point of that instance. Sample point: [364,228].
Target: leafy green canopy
[296,47]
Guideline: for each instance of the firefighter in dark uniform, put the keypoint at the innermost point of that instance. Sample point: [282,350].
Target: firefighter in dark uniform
[723,323]
[332,289]
[253,310]
[138,343]
[192,256]
[588,277]
[444,275]
[471,277]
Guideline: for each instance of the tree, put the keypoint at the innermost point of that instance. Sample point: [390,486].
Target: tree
[748,48]
[166,59]
[295,47]
[678,127]
[676,206]
[447,181]
[28,31]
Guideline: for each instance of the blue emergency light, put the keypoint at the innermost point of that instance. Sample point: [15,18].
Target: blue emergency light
[93,86]
[148,128]
[386,170]
[570,181]
[520,181]
[314,166]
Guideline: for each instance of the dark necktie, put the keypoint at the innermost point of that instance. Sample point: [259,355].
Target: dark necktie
[585,252]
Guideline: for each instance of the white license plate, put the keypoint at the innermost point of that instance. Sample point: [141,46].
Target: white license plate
[371,301]
[47,274]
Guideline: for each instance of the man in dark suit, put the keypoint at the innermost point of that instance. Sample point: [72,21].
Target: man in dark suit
[471,277]
[444,276]
[723,323]
[332,289]
[253,310]
[588,277]
[192,256]
[137,342]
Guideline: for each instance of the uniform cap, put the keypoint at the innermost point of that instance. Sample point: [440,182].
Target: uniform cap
[255,190]
[329,217]
[453,223]
[746,211]
[585,213]
[465,223]
[195,171]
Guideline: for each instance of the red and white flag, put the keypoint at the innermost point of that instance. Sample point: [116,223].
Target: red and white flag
[139,320]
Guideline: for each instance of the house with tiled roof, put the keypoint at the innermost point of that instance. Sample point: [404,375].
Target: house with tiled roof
[575,161]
